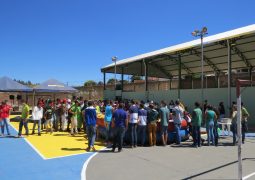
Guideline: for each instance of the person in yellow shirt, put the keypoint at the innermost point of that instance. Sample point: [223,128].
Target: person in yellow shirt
[24,118]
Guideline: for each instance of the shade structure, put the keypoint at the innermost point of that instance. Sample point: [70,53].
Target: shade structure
[53,85]
[9,85]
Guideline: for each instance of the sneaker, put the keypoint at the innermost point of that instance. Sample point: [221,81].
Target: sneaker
[113,149]
[33,132]
[88,149]
[119,150]
[93,148]
[39,134]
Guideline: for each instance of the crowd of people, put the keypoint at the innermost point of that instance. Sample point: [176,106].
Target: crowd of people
[129,119]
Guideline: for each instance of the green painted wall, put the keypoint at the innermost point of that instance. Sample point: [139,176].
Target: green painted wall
[189,96]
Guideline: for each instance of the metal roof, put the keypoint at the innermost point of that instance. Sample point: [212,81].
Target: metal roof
[165,62]
[53,85]
[9,85]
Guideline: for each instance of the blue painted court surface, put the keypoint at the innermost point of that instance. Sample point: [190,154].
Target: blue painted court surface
[18,160]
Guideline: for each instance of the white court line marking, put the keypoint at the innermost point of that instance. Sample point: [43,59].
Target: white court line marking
[40,154]
[31,145]
[85,165]
[248,176]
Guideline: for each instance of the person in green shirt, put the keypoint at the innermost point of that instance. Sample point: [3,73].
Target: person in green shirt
[74,110]
[24,118]
[196,121]
[245,116]
[79,118]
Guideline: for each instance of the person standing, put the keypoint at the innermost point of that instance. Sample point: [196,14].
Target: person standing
[142,124]
[234,123]
[48,116]
[24,118]
[132,126]
[4,115]
[164,118]
[91,118]
[120,124]
[245,115]
[37,116]
[196,125]
[108,119]
[152,119]
[74,110]
[210,117]
[177,117]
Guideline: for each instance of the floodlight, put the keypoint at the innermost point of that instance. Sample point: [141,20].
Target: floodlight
[114,58]
[204,30]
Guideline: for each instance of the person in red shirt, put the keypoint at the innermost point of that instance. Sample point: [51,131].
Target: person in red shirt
[4,115]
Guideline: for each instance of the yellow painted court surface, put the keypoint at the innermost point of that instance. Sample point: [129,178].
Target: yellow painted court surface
[57,144]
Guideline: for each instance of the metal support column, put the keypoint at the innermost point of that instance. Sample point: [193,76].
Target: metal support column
[179,77]
[229,74]
[104,80]
[192,82]
[146,80]
[122,78]
[170,85]
[251,75]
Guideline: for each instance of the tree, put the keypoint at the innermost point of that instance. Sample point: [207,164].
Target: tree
[111,81]
[100,83]
[135,77]
[90,83]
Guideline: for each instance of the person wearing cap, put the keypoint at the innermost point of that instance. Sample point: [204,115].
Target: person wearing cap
[37,116]
[24,118]
[4,115]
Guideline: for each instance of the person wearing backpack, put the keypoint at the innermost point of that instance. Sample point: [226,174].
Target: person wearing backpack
[48,115]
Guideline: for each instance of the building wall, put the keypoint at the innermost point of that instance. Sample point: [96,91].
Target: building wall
[189,96]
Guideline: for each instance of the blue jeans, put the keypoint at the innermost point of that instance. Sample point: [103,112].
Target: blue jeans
[108,130]
[177,128]
[1,127]
[119,133]
[22,123]
[210,134]
[39,126]
[234,131]
[5,125]
[133,127]
[196,135]
[142,134]
[91,132]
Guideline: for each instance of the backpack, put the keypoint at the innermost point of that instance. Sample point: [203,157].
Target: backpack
[48,114]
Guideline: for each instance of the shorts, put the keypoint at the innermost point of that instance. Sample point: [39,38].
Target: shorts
[164,130]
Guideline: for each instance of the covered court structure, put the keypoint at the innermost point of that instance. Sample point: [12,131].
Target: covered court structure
[225,54]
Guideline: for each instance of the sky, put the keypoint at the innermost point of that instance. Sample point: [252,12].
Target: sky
[71,40]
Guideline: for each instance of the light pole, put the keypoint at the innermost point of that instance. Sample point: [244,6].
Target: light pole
[201,34]
[114,59]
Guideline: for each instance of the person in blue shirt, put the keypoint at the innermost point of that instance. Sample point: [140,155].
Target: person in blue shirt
[120,124]
[91,118]
[108,119]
